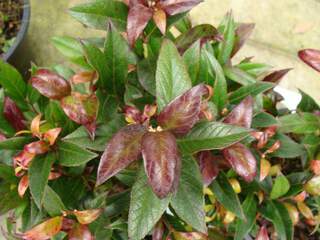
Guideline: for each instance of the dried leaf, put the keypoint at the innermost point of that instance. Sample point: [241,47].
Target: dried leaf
[265,167]
[138,17]
[87,216]
[276,76]
[80,232]
[311,57]
[45,230]
[241,160]
[189,236]
[13,114]
[305,210]
[50,84]
[241,115]
[161,160]
[122,149]
[182,113]
[23,159]
[208,166]
[173,7]
[315,166]
[160,19]
[313,186]
[293,212]
[82,109]
[35,126]
[52,135]
[85,77]
[158,231]
[23,185]
[262,234]
[38,147]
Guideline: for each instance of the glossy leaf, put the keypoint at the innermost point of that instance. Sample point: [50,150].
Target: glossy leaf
[123,148]
[238,75]
[241,115]
[250,210]
[276,76]
[172,78]
[45,230]
[263,119]
[188,202]
[70,154]
[50,84]
[52,202]
[220,84]
[300,123]
[80,232]
[307,103]
[252,89]
[138,18]
[87,216]
[242,32]
[13,114]
[161,160]
[226,195]
[311,57]
[288,148]
[209,168]
[38,176]
[173,7]
[145,208]
[192,59]
[15,143]
[211,135]
[96,14]
[182,113]
[82,109]
[203,32]
[242,161]
[116,51]
[146,70]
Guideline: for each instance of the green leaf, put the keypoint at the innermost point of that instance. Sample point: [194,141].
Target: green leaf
[12,81]
[103,133]
[70,154]
[38,176]
[263,120]
[280,187]
[211,135]
[15,143]
[116,52]
[250,210]
[226,195]
[172,78]
[145,208]
[192,58]
[220,84]
[255,69]
[307,103]
[96,14]
[226,46]
[300,123]
[288,147]
[52,203]
[188,202]
[146,70]
[252,89]
[239,76]
[70,48]
[279,216]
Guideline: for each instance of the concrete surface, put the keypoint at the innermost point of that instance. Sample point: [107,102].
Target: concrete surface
[282,28]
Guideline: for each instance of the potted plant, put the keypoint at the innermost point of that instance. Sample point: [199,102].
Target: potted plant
[14,21]
[159,135]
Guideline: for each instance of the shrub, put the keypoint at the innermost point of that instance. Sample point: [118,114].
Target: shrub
[158,135]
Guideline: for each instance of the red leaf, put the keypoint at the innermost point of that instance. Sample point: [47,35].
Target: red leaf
[13,114]
[2,137]
[243,32]
[80,232]
[38,147]
[87,216]
[173,7]
[262,234]
[276,76]
[50,84]
[160,19]
[161,160]
[52,135]
[311,57]
[315,166]
[208,166]
[84,77]
[158,231]
[123,148]
[132,114]
[190,236]
[45,230]
[241,115]
[82,109]
[35,126]
[241,160]
[138,18]
[182,113]
[23,185]
[23,159]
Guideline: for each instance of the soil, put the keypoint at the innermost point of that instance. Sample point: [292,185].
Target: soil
[10,22]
